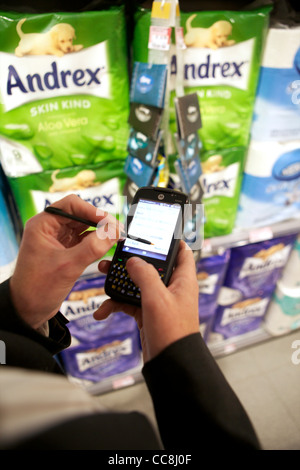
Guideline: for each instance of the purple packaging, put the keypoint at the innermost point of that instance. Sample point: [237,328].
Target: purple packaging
[257,267]
[250,281]
[210,274]
[99,349]
[110,355]
[86,296]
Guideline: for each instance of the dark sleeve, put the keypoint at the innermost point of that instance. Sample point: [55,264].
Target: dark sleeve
[24,345]
[194,404]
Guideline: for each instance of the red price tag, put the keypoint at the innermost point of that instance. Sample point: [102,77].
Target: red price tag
[159,38]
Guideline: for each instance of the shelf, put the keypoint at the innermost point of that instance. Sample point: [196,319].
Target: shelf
[236,343]
[251,235]
[115,382]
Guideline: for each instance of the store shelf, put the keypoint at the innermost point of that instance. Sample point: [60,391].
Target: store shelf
[235,343]
[251,235]
[115,382]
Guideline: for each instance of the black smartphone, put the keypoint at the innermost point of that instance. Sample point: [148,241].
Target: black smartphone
[154,228]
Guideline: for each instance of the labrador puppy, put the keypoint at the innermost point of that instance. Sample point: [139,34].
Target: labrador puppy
[58,41]
[213,37]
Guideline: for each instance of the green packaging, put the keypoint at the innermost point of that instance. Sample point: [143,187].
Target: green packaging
[224,74]
[101,185]
[64,90]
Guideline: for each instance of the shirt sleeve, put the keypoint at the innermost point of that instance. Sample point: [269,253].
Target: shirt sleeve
[194,404]
[58,337]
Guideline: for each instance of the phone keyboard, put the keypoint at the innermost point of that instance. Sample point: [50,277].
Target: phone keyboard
[121,283]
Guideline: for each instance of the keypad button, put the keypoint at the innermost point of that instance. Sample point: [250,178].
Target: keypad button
[121,282]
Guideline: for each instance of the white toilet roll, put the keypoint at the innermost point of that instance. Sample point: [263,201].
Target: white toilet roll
[271,184]
[277,105]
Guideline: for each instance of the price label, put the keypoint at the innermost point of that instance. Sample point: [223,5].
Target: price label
[159,38]
[179,38]
[260,234]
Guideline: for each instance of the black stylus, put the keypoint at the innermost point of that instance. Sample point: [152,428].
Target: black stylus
[57,211]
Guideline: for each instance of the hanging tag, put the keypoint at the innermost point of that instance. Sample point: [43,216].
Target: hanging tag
[187,114]
[161,10]
[148,84]
[180,44]
[159,38]
[145,119]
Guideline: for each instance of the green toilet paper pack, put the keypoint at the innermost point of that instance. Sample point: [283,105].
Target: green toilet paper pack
[221,64]
[101,185]
[64,90]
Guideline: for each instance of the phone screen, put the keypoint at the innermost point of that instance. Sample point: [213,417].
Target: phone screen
[154,222]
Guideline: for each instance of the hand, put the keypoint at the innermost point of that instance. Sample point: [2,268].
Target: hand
[167,313]
[54,252]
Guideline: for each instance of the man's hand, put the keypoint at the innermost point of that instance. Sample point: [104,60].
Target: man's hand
[167,313]
[53,254]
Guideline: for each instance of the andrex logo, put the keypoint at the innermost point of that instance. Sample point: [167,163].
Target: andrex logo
[32,78]
[225,66]
[53,79]
[220,183]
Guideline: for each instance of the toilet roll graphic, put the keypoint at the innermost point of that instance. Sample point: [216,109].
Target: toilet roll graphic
[277,105]
[2,352]
[271,184]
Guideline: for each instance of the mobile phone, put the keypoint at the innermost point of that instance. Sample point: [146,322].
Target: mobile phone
[154,228]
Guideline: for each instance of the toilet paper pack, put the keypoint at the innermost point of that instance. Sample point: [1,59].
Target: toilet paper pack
[270,190]
[99,349]
[64,89]
[211,271]
[284,312]
[249,284]
[277,105]
[221,63]
[100,185]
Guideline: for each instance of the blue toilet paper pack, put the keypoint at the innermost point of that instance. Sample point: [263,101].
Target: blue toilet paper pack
[277,105]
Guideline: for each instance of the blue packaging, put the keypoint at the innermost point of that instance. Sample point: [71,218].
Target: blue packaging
[140,173]
[270,190]
[8,241]
[148,84]
[277,106]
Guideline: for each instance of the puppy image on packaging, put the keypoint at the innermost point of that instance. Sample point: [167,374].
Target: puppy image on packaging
[214,37]
[83,179]
[57,41]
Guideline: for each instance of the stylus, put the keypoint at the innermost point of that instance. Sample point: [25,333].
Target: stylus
[57,211]
[90,223]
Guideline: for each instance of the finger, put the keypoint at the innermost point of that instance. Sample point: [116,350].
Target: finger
[104,266]
[145,276]
[92,248]
[110,306]
[105,309]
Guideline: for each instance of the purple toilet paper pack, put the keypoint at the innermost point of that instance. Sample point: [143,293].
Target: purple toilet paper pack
[99,349]
[250,281]
[210,275]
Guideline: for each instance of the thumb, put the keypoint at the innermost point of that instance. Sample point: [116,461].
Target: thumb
[144,275]
[92,248]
